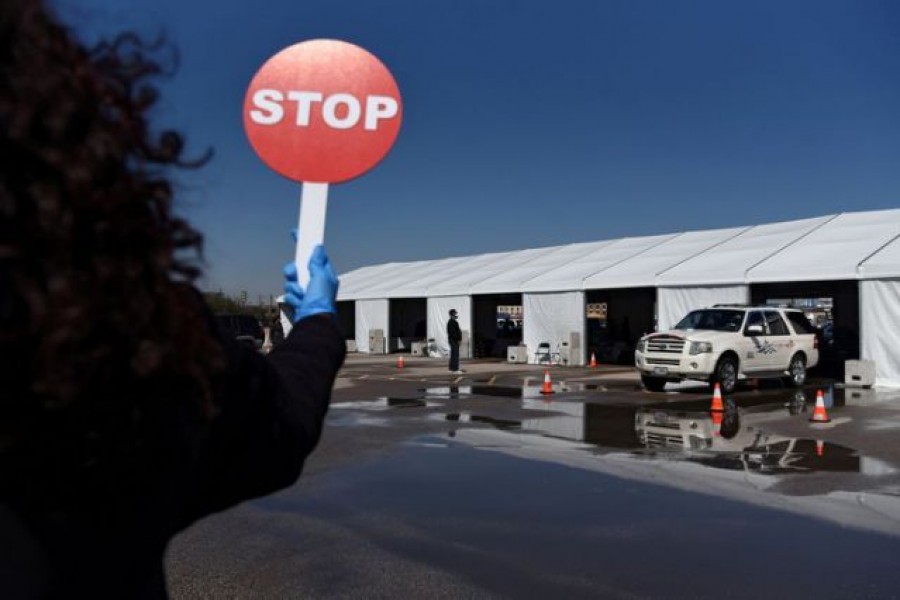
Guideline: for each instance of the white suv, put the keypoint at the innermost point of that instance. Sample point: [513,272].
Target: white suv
[727,343]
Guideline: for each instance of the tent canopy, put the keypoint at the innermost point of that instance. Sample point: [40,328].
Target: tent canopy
[642,269]
[882,264]
[832,247]
[833,251]
[729,262]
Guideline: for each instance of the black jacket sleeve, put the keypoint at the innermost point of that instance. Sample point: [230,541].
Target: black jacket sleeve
[270,415]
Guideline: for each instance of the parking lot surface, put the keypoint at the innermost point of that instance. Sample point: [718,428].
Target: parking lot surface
[432,485]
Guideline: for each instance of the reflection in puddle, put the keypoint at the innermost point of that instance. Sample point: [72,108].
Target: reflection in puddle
[497,391]
[405,402]
[501,424]
[729,440]
[453,392]
[385,403]
[735,439]
[504,391]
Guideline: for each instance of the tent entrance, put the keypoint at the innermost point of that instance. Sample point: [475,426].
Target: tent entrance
[496,324]
[616,320]
[346,317]
[832,306]
[408,323]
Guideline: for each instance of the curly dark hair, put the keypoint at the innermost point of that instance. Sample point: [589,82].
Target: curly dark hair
[98,313]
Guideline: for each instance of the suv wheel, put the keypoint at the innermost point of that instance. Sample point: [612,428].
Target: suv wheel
[654,384]
[726,374]
[797,370]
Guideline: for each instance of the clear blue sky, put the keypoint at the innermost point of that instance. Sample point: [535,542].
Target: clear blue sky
[535,123]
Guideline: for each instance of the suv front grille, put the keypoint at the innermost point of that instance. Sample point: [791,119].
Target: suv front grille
[663,361]
[665,346]
[674,425]
[656,440]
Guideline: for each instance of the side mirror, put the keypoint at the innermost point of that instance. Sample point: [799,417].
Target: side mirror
[754,330]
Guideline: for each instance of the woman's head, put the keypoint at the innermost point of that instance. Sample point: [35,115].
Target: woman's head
[95,270]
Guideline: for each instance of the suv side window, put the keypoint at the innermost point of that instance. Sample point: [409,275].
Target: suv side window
[755,318]
[801,324]
[776,324]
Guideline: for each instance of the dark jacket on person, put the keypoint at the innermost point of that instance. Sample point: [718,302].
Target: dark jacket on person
[100,531]
[454,334]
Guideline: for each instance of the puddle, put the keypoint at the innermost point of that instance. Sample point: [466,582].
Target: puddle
[493,515]
[736,439]
[453,392]
[505,391]
[384,403]
[405,402]
[501,424]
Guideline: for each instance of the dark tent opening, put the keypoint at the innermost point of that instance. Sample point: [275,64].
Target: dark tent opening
[831,306]
[496,324]
[616,320]
[346,317]
[408,323]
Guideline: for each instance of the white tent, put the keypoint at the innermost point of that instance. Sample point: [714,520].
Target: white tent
[371,315]
[641,270]
[354,283]
[553,317]
[687,270]
[831,252]
[879,309]
[439,314]
[570,275]
[719,277]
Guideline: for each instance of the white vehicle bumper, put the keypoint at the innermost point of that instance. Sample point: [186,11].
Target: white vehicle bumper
[684,366]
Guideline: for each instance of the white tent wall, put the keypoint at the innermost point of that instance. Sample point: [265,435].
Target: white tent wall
[371,314]
[551,318]
[673,303]
[879,313]
[439,314]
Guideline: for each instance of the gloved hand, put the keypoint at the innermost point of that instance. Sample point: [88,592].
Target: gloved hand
[321,293]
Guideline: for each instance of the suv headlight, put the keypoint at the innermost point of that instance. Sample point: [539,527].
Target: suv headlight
[700,348]
[642,346]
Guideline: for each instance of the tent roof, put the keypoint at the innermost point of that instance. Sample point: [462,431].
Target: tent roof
[641,270]
[571,275]
[514,277]
[884,263]
[729,262]
[832,251]
[831,247]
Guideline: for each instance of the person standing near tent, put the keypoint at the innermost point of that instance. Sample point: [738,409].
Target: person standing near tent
[125,415]
[454,337]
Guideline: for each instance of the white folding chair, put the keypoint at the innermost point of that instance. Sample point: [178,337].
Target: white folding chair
[542,354]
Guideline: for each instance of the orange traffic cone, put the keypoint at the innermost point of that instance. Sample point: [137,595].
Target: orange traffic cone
[819,414]
[593,363]
[717,422]
[400,363]
[820,448]
[548,385]
[717,405]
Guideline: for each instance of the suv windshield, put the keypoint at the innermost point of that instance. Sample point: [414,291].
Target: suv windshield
[713,320]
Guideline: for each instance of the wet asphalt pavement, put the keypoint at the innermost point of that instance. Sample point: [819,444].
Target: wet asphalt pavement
[480,486]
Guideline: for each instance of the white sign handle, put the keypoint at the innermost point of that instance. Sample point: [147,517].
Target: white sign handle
[310,226]
[310,233]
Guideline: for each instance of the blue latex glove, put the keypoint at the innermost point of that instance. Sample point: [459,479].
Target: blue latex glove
[321,293]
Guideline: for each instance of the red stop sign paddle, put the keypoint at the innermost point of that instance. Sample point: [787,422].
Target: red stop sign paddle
[320,112]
